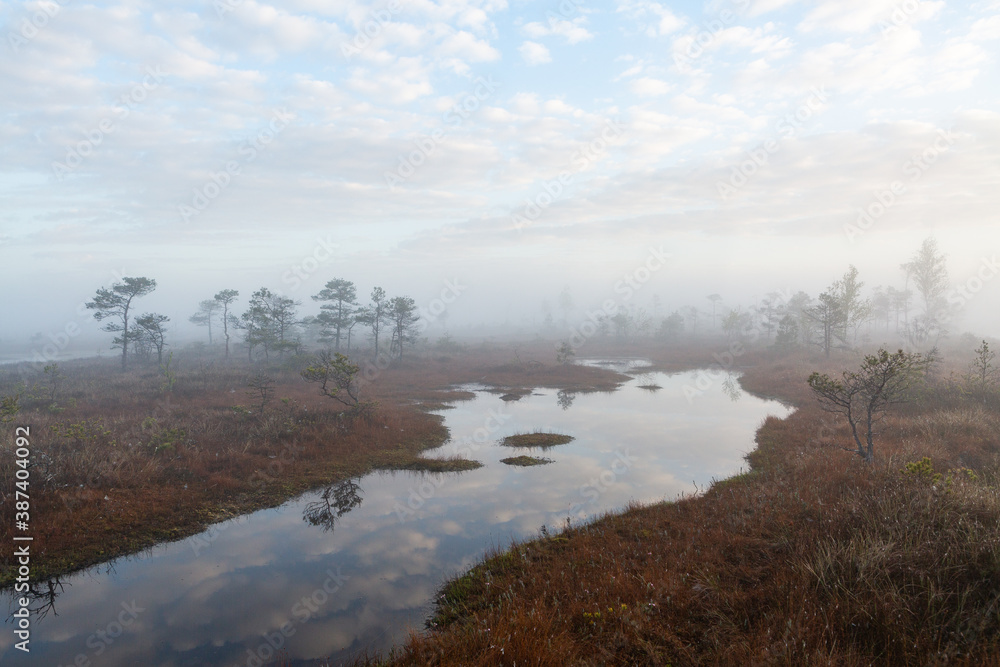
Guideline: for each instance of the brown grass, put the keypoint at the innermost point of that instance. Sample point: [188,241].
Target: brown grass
[525,461]
[120,464]
[537,439]
[811,558]
[449,464]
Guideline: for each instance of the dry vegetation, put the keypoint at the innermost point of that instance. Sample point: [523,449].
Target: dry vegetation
[536,439]
[525,461]
[122,461]
[812,558]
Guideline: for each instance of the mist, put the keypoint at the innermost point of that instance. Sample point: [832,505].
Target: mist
[327,326]
[752,142]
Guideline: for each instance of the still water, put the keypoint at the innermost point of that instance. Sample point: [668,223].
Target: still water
[356,566]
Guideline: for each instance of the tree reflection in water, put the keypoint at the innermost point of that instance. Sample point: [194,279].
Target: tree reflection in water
[565,399]
[731,387]
[42,597]
[335,501]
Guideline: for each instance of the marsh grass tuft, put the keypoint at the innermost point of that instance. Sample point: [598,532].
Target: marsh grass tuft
[450,464]
[537,439]
[525,461]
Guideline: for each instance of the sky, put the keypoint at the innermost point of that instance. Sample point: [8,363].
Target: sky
[510,148]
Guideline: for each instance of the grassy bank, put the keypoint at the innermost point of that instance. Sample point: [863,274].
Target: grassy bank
[122,461]
[537,439]
[813,557]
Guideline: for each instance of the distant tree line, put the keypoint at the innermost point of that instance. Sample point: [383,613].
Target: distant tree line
[271,323]
[841,317]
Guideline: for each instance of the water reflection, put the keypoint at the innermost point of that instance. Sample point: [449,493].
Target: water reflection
[565,399]
[334,502]
[731,387]
[647,382]
[42,596]
[270,581]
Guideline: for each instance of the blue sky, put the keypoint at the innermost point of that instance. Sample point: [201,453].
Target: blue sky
[519,146]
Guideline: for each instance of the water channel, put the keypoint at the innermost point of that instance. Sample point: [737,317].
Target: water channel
[356,566]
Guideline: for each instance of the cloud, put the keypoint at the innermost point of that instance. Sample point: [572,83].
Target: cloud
[416,76]
[652,18]
[985,29]
[534,53]
[406,82]
[759,7]
[468,47]
[648,86]
[572,31]
[856,16]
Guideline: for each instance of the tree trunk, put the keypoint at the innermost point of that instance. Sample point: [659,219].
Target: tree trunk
[225,326]
[870,454]
[125,339]
[857,439]
[340,319]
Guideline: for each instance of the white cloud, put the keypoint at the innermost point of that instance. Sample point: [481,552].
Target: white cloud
[559,107]
[861,15]
[469,47]
[896,62]
[648,86]
[534,53]
[985,29]
[759,7]
[406,81]
[457,51]
[525,104]
[572,31]
[652,18]
[355,116]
